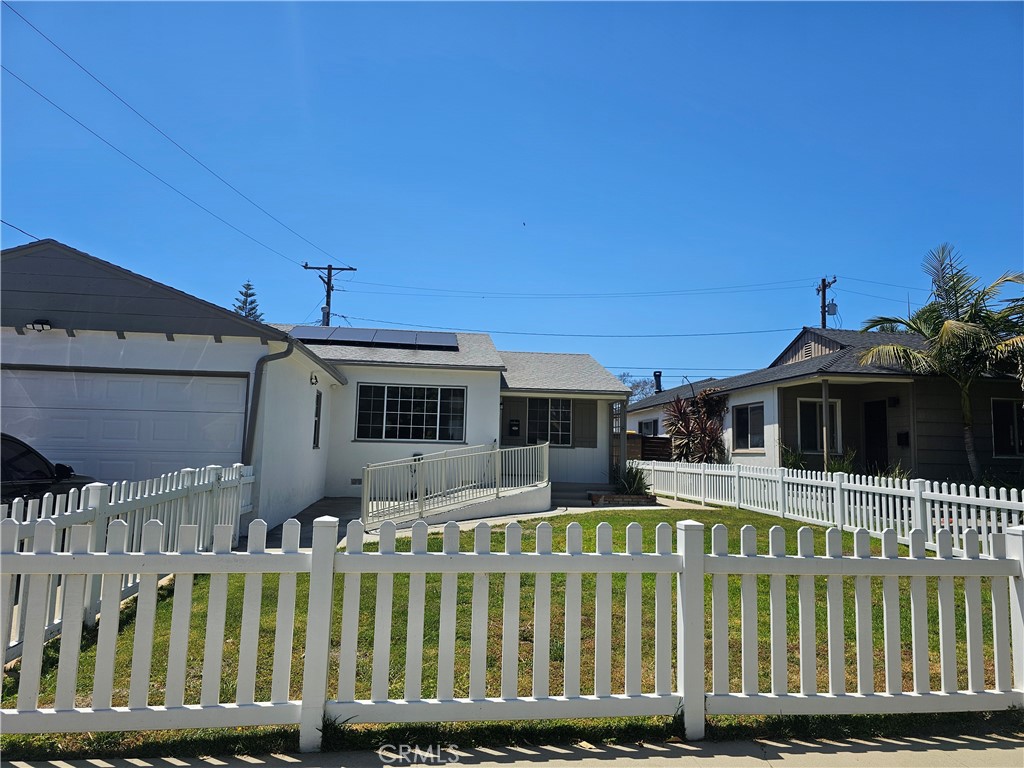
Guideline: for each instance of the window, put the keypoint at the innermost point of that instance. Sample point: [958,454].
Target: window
[809,426]
[748,427]
[549,420]
[316,418]
[648,427]
[1007,427]
[393,412]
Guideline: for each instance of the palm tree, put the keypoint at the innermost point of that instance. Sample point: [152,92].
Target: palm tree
[965,336]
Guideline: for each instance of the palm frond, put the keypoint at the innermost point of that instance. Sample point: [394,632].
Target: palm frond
[899,356]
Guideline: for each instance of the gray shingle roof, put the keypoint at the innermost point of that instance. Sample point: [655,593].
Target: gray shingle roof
[845,361]
[476,351]
[558,372]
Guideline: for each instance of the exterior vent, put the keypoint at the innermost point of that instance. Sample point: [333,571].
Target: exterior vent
[357,481]
[808,351]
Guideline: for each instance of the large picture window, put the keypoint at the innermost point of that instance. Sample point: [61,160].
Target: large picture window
[1007,428]
[809,426]
[748,427]
[394,412]
[549,420]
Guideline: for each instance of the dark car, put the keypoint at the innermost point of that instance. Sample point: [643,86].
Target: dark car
[26,473]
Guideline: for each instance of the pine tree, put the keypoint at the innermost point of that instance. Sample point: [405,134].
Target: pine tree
[246,304]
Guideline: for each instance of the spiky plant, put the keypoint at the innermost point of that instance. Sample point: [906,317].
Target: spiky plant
[695,426]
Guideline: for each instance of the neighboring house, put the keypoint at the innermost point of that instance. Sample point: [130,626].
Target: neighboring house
[647,416]
[888,417]
[126,379]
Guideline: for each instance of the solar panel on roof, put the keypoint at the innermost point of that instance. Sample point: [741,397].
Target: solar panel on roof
[311,332]
[437,340]
[390,337]
[352,335]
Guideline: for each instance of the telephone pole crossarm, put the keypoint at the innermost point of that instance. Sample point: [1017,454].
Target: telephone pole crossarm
[328,282]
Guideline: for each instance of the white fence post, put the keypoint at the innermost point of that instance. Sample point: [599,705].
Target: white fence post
[736,489]
[781,490]
[367,475]
[497,472]
[97,499]
[318,633]
[839,504]
[703,485]
[917,509]
[1015,551]
[690,627]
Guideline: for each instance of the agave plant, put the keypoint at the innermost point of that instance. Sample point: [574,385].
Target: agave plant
[695,426]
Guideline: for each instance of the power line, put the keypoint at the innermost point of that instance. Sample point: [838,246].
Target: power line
[469,293]
[144,168]
[890,285]
[572,335]
[576,296]
[631,368]
[27,234]
[152,125]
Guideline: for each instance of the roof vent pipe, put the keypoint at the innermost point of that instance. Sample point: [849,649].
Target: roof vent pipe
[657,382]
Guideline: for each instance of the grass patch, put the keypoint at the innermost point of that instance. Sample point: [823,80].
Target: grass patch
[241,740]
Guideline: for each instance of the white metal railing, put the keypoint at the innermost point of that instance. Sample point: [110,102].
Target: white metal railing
[407,489]
[205,497]
[757,660]
[846,501]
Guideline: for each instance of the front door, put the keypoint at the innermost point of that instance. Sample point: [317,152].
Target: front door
[876,437]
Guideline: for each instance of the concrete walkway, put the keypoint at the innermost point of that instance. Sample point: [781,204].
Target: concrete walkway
[346,509]
[995,751]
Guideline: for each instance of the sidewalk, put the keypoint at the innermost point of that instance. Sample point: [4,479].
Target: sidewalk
[996,751]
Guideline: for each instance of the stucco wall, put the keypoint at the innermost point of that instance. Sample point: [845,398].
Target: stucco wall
[96,349]
[347,455]
[760,457]
[290,471]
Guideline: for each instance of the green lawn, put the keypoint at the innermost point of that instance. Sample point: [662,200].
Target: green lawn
[276,739]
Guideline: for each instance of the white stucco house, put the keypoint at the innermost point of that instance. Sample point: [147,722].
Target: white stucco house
[125,379]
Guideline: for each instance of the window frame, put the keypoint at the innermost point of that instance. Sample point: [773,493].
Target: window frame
[640,427]
[735,431]
[1017,404]
[566,424]
[392,395]
[838,426]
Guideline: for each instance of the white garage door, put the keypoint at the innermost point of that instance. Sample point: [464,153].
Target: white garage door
[126,426]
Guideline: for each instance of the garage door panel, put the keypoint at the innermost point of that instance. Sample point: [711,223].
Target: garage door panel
[126,426]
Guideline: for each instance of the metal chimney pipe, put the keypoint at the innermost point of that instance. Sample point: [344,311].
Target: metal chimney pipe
[657,381]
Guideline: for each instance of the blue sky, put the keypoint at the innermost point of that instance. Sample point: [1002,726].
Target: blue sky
[578,168]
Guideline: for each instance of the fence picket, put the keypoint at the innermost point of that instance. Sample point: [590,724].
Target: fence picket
[72,615]
[663,615]
[145,615]
[510,617]
[891,619]
[181,615]
[603,617]
[446,631]
[1000,618]
[719,615]
[252,600]
[748,615]
[379,682]
[634,597]
[834,600]
[542,618]
[478,624]
[947,638]
[35,619]
[972,609]
[350,616]
[777,614]
[573,615]
[213,652]
[415,618]
[808,630]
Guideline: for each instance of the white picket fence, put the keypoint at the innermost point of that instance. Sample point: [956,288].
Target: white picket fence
[845,501]
[205,497]
[556,634]
[409,489]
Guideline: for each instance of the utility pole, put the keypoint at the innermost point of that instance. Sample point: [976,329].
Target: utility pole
[823,287]
[329,286]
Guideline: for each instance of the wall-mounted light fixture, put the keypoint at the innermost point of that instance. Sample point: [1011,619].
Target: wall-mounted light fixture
[38,325]
[313,380]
